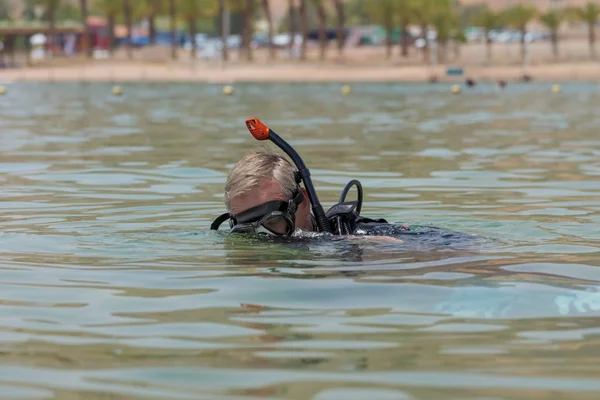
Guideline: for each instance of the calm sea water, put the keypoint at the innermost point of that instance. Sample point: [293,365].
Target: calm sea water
[113,287]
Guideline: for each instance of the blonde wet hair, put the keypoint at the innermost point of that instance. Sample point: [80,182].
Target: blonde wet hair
[256,167]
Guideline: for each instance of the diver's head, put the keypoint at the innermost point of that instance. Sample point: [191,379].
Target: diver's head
[263,184]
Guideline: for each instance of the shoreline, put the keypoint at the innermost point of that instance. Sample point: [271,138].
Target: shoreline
[114,72]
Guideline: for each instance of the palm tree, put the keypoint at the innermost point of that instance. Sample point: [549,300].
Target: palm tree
[173,28]
[191,11]
[248,29]
[111,9]
[155,7]
[519,17]
[149,9]
[341,21]
[127,14]
[445,21]
[246,8]
[87,35]
[224,18]
[303,27]
[421,11]
[269,18]
[51,6]
[404,17]
[590,14]
[292,27]
[383,12]
[552,20]
[488,20]
[322,22]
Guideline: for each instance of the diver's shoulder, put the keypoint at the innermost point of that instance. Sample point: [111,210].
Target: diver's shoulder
[379,227]
[367,226]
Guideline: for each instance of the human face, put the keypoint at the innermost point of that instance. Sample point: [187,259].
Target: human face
[269,190]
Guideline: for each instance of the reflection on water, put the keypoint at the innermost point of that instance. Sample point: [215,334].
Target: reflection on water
[111,284]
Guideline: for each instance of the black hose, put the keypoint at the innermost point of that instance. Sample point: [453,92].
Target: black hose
[359,189]
[322,222]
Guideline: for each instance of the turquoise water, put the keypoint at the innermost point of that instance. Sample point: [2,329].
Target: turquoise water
[112,286]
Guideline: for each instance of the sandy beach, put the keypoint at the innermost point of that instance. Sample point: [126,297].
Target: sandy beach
[123,72]
[356,65]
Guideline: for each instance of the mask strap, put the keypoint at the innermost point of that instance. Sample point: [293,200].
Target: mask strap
[219,221]
[295,202]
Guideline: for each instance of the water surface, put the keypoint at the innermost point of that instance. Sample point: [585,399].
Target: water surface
[111,284]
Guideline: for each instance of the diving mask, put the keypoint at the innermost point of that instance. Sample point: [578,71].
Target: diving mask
[274,218]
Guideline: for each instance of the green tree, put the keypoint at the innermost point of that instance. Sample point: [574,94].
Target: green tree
[4,11]
[29,13]
[356,12]
[224,18]
[193,10]
[383,12]
[422,12]
[83,4]
[405,17]
[248,29]
[519,17]
[341,23]
[245,9]
[293,26]
[173,28]
[552,20]
[111,9]
[303,27]
[67,12]
[128,15]
[470,12]
[445,21]
[322,27]
[52,5]
[267,10]
[488,20]
[590,14]
[149,9]
[226,7]
[50,15]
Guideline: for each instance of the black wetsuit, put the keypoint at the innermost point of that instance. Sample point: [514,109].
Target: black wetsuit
[431,234]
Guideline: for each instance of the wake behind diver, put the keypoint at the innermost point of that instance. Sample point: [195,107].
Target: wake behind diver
[263,196]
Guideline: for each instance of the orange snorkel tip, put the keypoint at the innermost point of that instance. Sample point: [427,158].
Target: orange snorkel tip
[259,130]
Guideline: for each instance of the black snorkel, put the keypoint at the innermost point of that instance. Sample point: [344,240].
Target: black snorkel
[341,219]
[261,132]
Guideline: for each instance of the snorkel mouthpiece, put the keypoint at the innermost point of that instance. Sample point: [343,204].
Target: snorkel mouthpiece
[261,132]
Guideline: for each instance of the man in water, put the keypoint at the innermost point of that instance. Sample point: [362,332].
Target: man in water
[263,195]
[261,178]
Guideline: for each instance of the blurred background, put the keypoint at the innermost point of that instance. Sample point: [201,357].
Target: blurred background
[494,38]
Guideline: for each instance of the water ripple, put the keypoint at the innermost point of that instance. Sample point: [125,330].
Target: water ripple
[113,286]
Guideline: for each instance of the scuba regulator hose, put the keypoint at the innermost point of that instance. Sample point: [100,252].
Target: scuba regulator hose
[261,132]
